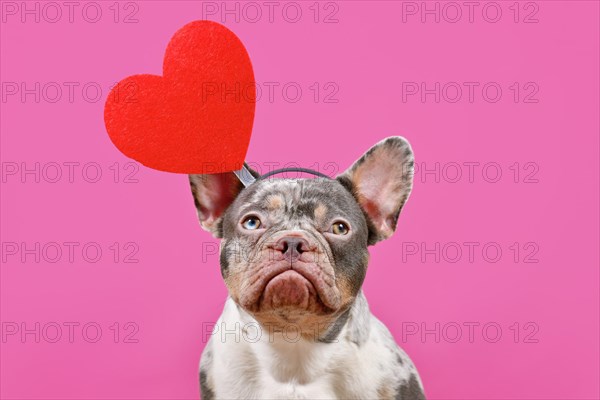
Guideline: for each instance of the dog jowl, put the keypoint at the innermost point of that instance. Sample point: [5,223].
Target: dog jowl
[294,255]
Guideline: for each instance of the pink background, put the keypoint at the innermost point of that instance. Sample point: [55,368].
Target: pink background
[175,289]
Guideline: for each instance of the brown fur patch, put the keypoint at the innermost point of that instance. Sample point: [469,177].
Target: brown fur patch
[308,325]
[386,392]
[347,291]
[320,213]
[274,202]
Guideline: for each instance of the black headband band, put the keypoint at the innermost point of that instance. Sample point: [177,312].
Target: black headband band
[305,170]
[246,177]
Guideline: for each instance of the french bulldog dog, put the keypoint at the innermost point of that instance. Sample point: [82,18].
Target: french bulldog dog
[296,324]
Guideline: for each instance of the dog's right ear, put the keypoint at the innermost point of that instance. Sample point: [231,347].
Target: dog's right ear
[213,194]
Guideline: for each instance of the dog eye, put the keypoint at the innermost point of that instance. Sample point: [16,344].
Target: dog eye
[339,228]
[251,223]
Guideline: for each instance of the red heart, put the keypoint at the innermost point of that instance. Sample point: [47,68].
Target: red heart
[197,117]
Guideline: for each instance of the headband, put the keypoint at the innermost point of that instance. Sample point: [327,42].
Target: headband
[247,178]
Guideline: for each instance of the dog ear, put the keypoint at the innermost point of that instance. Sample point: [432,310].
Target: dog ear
[213,194]
[381,181]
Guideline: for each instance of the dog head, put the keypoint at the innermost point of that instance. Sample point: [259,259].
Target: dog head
[295,250]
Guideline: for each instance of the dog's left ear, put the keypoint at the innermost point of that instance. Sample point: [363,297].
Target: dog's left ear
[213,194]
[381,181]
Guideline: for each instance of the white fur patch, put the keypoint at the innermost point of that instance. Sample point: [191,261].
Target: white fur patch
[277,366]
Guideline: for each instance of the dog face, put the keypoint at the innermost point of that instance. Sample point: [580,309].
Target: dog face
[295,250]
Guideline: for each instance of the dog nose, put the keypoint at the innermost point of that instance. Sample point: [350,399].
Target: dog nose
[292,246]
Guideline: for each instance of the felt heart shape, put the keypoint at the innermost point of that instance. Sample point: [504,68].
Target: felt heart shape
[197,117]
